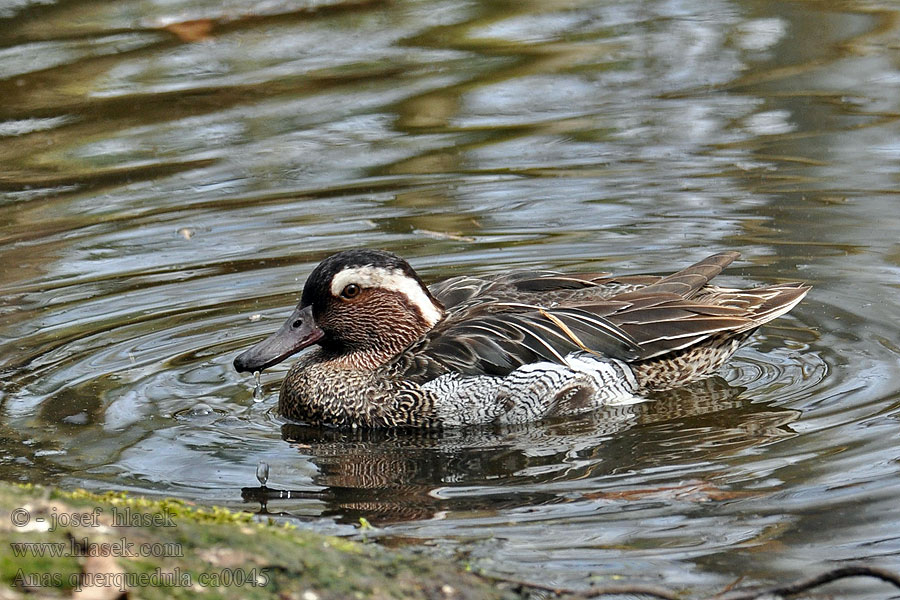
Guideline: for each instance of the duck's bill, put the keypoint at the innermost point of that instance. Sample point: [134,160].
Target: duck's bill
[297,333]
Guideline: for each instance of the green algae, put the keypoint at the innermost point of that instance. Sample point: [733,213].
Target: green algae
[169,548]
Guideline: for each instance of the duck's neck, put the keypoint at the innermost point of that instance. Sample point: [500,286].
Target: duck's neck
[357,360]
[376,352]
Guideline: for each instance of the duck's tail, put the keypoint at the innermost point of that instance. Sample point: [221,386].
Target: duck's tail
[759,305]
[704,354]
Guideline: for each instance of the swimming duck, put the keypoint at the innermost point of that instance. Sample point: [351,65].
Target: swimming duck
[508,348]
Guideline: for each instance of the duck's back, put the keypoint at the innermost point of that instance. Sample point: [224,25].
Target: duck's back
[548,287]
[494,325]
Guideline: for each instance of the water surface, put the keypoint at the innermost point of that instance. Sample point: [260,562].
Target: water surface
[172,171]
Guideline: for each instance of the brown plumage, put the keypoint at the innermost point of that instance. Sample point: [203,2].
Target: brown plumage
[393,352]
[494,325]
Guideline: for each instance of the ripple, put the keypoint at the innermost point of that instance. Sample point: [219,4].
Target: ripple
[790,372]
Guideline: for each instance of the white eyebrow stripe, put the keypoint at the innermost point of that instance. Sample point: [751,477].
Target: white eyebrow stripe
[394,280]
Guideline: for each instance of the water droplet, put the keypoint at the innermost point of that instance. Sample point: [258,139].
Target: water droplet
[201,409]
[257,391]
[262,472]
[81,418]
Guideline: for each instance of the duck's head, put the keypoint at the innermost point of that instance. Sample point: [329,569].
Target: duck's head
[368,304]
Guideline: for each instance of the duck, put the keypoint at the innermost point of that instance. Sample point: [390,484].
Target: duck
[508,348]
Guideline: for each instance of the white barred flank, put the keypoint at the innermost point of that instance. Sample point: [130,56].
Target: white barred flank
[394,280]
[534,391]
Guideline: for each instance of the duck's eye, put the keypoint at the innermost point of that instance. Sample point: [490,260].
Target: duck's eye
[351,291]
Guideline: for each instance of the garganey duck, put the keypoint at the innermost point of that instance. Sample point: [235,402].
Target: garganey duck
[508,348]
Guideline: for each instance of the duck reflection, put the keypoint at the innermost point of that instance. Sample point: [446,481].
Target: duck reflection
[389,476]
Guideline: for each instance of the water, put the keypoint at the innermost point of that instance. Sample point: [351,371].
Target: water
[172,171]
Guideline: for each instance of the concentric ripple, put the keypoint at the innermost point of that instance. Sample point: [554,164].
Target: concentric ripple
[791,373]
[172,171]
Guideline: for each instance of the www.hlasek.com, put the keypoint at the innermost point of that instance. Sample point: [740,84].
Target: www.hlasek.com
[84,547]
[158,578]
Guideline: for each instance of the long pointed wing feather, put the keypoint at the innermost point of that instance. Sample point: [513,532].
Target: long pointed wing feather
[494,325]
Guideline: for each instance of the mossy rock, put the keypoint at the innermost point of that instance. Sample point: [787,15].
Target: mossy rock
[56,541]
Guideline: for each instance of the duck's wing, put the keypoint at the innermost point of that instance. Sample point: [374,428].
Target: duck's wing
[551,286]
[662,323]
[495,324]
[688,281]
[682,309]
[459,291]
[499,326]
[498,337]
